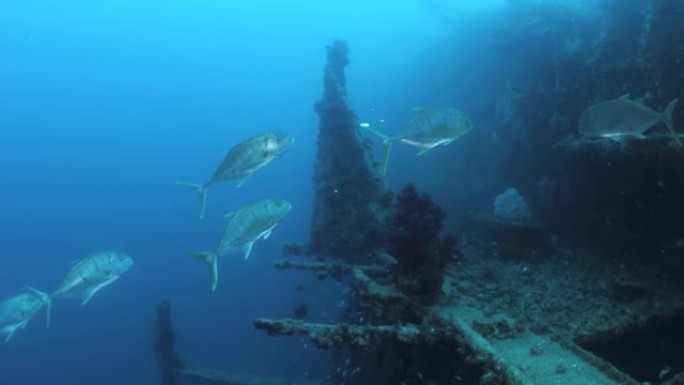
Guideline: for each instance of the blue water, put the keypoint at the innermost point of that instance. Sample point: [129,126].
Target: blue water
[105,104]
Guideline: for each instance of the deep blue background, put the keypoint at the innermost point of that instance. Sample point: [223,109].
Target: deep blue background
[105,104]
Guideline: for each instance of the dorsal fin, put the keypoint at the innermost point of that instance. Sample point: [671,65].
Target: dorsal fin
[624,97]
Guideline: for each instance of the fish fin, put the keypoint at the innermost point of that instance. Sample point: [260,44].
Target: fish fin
[376,133]
[418,109]
[212,263]
[667,119]
[201,190]
[9,330]
[387,143]
[387,148]
[424,150]
[248,249]
[240,183]
[47,300]
[229,215]
[624,97]
[48,311]
[267,233]
[88,295]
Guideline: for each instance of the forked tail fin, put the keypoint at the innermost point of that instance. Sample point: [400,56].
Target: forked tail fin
[201,193]
[667,119]
[47,300]
[210,260]
[387,143]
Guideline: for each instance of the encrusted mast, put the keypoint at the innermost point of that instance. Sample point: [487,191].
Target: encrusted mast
[350,197]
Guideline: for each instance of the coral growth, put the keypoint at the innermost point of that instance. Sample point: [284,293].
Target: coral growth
[511,205]
[415,242]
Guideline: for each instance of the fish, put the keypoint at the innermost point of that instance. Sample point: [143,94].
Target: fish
[624,117]
[427,129]
[17,311]
[91,274]
[242,160]
[245,226]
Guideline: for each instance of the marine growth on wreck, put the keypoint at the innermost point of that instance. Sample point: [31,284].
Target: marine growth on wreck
[513,304]
[473,193]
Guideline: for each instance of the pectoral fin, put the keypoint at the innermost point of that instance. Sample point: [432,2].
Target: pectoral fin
[90,293]
[424,150]
[248,249]
[267,233]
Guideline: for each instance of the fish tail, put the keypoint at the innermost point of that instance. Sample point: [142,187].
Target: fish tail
[201,193]
[667,119]
[47,300]
[387,148]
[387,143]
[211,261]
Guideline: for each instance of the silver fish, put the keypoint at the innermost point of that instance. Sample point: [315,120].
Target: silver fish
[17,311]
[243,160]
[245,226]
[91,274]
[427,129]
[623,117]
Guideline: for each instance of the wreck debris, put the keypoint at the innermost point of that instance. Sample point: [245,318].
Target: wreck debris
[201,376]
[431,311]
[362,336]
[336,270]
[300,311]
[350,199]
[357,336]
[164,345]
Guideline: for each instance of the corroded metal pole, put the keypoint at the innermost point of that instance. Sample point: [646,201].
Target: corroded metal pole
[164,345]
[351,201]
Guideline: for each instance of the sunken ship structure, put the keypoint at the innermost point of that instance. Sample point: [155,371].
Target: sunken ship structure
[583,294]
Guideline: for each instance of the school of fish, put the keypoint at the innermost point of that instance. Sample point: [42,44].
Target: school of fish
[427,129]
[86,277]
